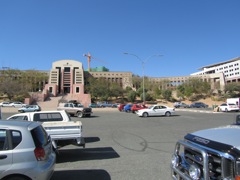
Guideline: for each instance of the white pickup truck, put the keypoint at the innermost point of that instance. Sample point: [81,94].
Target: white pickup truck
[59,126]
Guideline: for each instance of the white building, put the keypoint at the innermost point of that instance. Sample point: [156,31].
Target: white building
[230,70]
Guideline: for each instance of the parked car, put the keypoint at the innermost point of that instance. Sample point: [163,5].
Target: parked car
[127,108]
[5,104]
[30,108]
[137,107]
[93,105]
[25,151]
[121,107]
[181,105]
[228,107]
[17,104]
[198,105]
[156,110]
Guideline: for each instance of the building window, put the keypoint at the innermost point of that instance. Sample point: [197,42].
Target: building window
[67,69]
[77,89]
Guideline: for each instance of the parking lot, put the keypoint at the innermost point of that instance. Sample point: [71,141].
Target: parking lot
[122,146]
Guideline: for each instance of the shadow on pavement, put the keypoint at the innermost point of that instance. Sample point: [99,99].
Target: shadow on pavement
[97,174]
[91,139]
[73,155]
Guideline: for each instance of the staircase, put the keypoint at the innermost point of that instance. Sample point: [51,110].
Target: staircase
[50,104]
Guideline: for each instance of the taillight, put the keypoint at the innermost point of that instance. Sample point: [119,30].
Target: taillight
[39,153]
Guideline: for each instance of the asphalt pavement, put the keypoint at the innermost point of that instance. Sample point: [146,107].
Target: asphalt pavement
[123,146]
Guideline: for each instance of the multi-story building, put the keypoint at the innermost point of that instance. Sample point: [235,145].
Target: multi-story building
[67,77]
[216,80]
[230,70]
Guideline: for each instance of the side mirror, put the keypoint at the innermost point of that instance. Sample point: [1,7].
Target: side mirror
[238,119]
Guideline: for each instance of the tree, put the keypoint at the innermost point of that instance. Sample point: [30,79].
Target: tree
[194,88]
[116,90]
[167,94]
[132,96]
[11,88]
[136,81]
[233,89]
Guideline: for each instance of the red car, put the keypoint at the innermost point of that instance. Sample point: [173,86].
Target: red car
[121,106]
[136,107]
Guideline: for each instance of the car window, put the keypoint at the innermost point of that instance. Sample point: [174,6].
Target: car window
[16,138]
[162,107]
[3,139]
[19,118]
[9,140]
[40,136]
[43,117]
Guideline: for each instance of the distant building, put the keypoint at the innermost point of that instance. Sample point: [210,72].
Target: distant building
[67,77]
[230,70]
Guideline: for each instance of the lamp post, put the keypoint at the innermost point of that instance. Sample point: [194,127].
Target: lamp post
[143,64]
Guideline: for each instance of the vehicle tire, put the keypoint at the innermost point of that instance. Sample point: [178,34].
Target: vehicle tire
[145,114]
[226,110]
[133,112]
[167,114]
[17,178]
[79,114]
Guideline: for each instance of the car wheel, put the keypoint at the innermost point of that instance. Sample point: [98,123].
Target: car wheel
[145,114]
[17,178]
[167,114]
[79,114]
[226,110]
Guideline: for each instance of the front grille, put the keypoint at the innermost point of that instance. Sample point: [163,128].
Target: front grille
[214,165]
[87,109]
[218,166]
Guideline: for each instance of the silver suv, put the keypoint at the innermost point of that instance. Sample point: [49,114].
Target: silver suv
[25,151]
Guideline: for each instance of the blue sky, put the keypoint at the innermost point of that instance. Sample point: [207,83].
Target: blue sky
[188,33]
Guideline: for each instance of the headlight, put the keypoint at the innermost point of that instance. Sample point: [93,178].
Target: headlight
[194,172]
[175,160]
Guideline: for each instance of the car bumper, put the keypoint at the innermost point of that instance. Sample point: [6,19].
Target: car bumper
[46,171]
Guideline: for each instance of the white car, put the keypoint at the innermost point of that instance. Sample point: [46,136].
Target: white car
[6,104]
[17,104]
[228,107]
[26,151]
[156,110]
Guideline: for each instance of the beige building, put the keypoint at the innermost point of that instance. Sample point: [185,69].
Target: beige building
[216,80]
[68,78]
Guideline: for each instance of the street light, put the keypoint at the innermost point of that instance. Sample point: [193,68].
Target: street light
[143,64]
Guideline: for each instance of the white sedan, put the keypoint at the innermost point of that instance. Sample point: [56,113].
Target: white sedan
[156,110]
[228,107]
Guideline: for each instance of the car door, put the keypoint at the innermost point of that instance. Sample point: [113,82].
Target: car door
[69,108]
[19,117]
[162,110]
[5,154]
[156,111]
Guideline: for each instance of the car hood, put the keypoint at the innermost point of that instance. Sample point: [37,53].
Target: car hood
[226,135]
